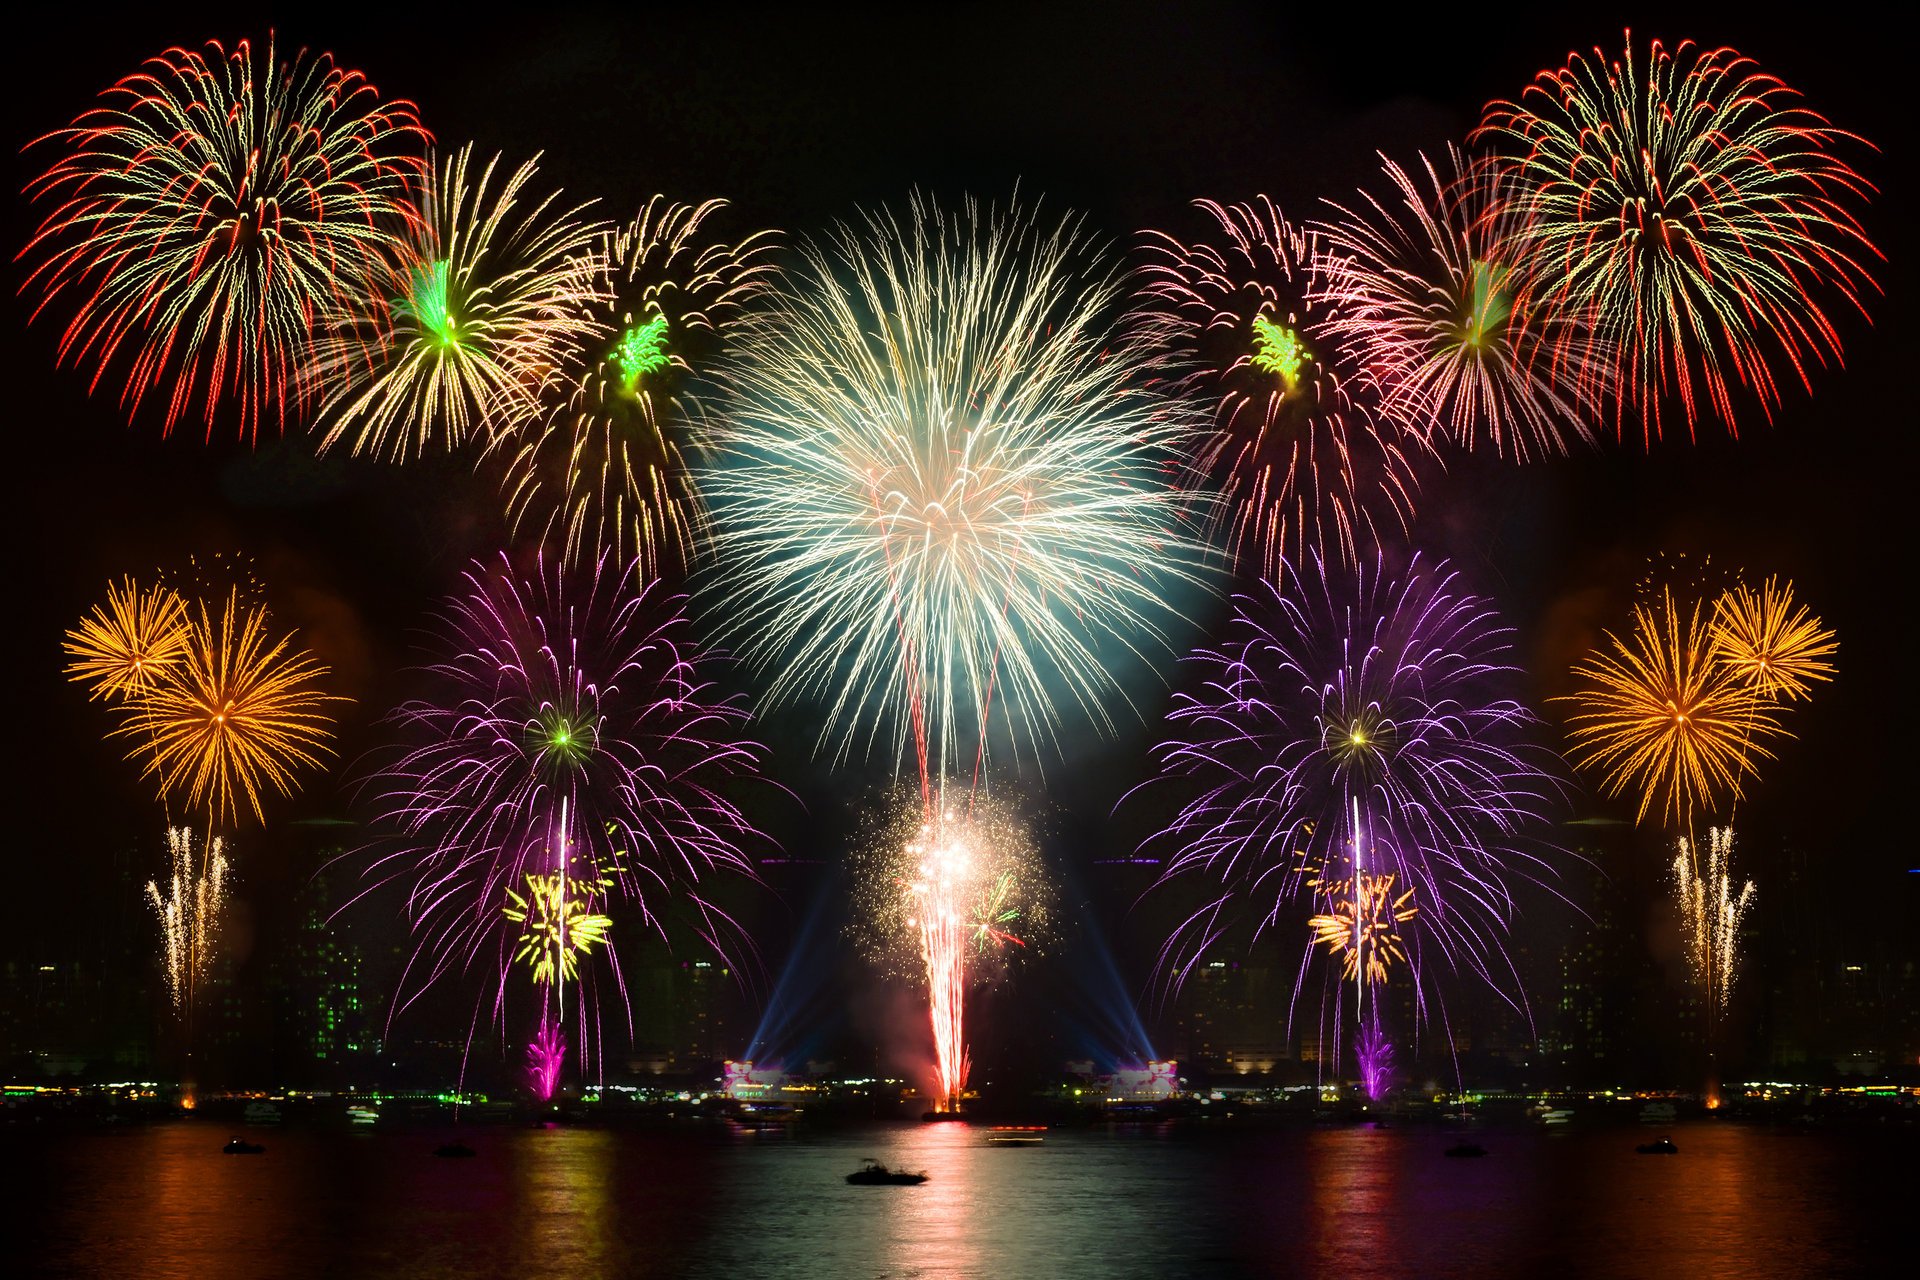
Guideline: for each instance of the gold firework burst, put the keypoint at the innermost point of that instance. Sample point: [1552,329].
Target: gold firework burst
[1776,647]
[1365,923]
[238,710]
[121,647]
[1660,716]
[557,924]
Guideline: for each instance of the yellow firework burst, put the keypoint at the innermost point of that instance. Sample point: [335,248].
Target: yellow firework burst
[1659,715]
[122,646]
[1775,646]
[557,924]
[1365,924]
[237,711]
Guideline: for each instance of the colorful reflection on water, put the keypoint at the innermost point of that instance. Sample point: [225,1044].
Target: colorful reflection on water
[1149,1201]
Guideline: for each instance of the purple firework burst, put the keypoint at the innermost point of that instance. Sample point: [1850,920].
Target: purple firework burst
[570,755]
[1357,726]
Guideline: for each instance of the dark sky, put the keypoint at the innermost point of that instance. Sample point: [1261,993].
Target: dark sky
[799,117]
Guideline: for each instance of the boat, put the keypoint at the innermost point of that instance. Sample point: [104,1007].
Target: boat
[241,1147]
[1662,1147]
[262,1113]
[940,1117]
[453,1150]
[1466,1149]
[1016,1135]
[872,1173]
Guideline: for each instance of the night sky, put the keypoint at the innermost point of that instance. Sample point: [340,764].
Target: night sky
[799,118]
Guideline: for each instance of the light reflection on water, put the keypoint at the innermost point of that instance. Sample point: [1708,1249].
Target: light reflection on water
[1349,1202]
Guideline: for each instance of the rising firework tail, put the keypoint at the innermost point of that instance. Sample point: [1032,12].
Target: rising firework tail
[949,897]
[940,496]
[189,913]
[1711,914]
[1685,209]
[204,216]
[1244,323]
[449,331]
[602,467]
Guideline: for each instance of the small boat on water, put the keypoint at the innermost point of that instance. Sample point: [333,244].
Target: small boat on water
[455,1150]
[1016,1135]
[1465,1150]
[241,1147]
[872,1173]
[1661,1147]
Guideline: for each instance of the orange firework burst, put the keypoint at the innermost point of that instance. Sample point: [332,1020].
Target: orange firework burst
[236,710]
[121,647]
[1364,923]
[1661,715]
[1777,648]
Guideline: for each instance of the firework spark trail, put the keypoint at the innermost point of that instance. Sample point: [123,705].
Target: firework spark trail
[942,898]
[570,734]
[1373,1053]
[1355,714]
[1711,913]
[189,913]
[1683,208]
[603,466]
[208,211]
[1660,717]
[451,331]
[1418,291]
[967,494]
[1245,323]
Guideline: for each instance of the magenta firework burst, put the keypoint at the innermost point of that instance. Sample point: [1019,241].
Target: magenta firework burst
[1356,730]
[570,756]
[1244,324]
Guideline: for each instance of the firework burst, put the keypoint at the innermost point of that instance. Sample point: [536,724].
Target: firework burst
[1244,323]
[120,649]
[570,732]
[1684,208]
[1775,646]
[940,490]
[1419,291]
[1358,721]
[1364,923]
[208,211]
[189,913]
[1660,717]
[604,466]
[237,713]
[451,331]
